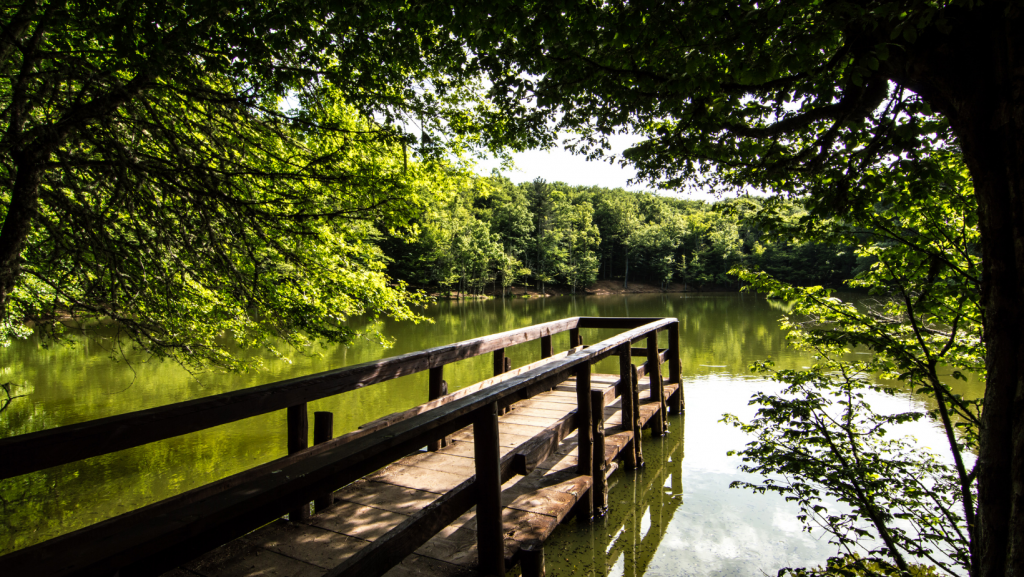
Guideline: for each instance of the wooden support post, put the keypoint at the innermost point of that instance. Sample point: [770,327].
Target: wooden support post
[585,444]
[628,407]
[575,339]
[487,453]
[532,552]
[323,431]
[677,402]
[545,346]
[600,485]
[298,439]
[637,432]
[508,364]
[438,387]
[499,362]
[657,390]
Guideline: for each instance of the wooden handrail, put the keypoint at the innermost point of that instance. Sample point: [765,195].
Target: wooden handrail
[179,527]
[58,446]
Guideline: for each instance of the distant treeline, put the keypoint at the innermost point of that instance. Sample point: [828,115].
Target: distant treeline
[495,234]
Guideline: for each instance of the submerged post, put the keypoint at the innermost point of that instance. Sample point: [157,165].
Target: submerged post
[628,407]
[585,446]
[600,485]
[438,387]
[323,431]
[487,453]
[677,402]
[499,362]
[634,379]
[532,558]
[298,439]
[657,389]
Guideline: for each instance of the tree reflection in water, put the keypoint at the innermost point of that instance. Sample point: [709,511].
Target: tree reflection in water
[641,505]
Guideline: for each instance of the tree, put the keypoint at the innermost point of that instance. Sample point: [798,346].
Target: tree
[811,98]
[190,169]
[822,437]
[578,239]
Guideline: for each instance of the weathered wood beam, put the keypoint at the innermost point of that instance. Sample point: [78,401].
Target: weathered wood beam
[35,451]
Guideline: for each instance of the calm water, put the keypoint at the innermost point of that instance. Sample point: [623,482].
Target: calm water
[675,517]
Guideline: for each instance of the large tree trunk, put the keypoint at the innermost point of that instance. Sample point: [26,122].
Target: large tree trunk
[975,77]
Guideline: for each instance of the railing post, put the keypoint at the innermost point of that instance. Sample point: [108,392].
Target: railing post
[600,466]
[438,387]
[499,362]
[323,431]
[574,338]
[545,346]
[532,552]
[584,435]
[487,453]
[628,408]
[677,402]
[298,439]
[657,390]
[634,379]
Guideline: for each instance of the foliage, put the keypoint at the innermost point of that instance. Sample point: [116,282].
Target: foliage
[573,235]
[198,170]
[822,436]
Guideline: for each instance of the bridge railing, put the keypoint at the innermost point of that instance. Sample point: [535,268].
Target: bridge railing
[165,534]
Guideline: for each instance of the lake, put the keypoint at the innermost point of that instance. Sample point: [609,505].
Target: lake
[677,516]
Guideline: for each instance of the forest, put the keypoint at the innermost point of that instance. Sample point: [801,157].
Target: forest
[490,234]
[270,171]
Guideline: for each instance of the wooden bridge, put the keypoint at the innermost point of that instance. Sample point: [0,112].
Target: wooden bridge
[507,460]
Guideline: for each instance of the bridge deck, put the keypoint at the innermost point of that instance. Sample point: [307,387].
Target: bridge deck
[367,509]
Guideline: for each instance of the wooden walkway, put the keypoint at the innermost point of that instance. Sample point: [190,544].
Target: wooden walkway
[507,460]
[368,509]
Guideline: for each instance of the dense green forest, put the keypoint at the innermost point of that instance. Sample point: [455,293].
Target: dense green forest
[491,234]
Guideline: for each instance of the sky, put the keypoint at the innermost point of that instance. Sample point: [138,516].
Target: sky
[558,165]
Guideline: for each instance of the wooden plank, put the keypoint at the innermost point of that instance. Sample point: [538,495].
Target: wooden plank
[614,322]
[359,521]
[537,449]
[307,543]
[554,504]
[490,537]
[464,392]
[60,445]
[515,418]
[441,462]
[416,565]
[378,557]
[243,559]
[541,410]
[417,478]
[394,498]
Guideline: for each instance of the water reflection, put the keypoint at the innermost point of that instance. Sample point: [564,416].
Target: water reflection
[717,530]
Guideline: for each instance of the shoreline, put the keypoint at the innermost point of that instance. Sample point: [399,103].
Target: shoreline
[599,288]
